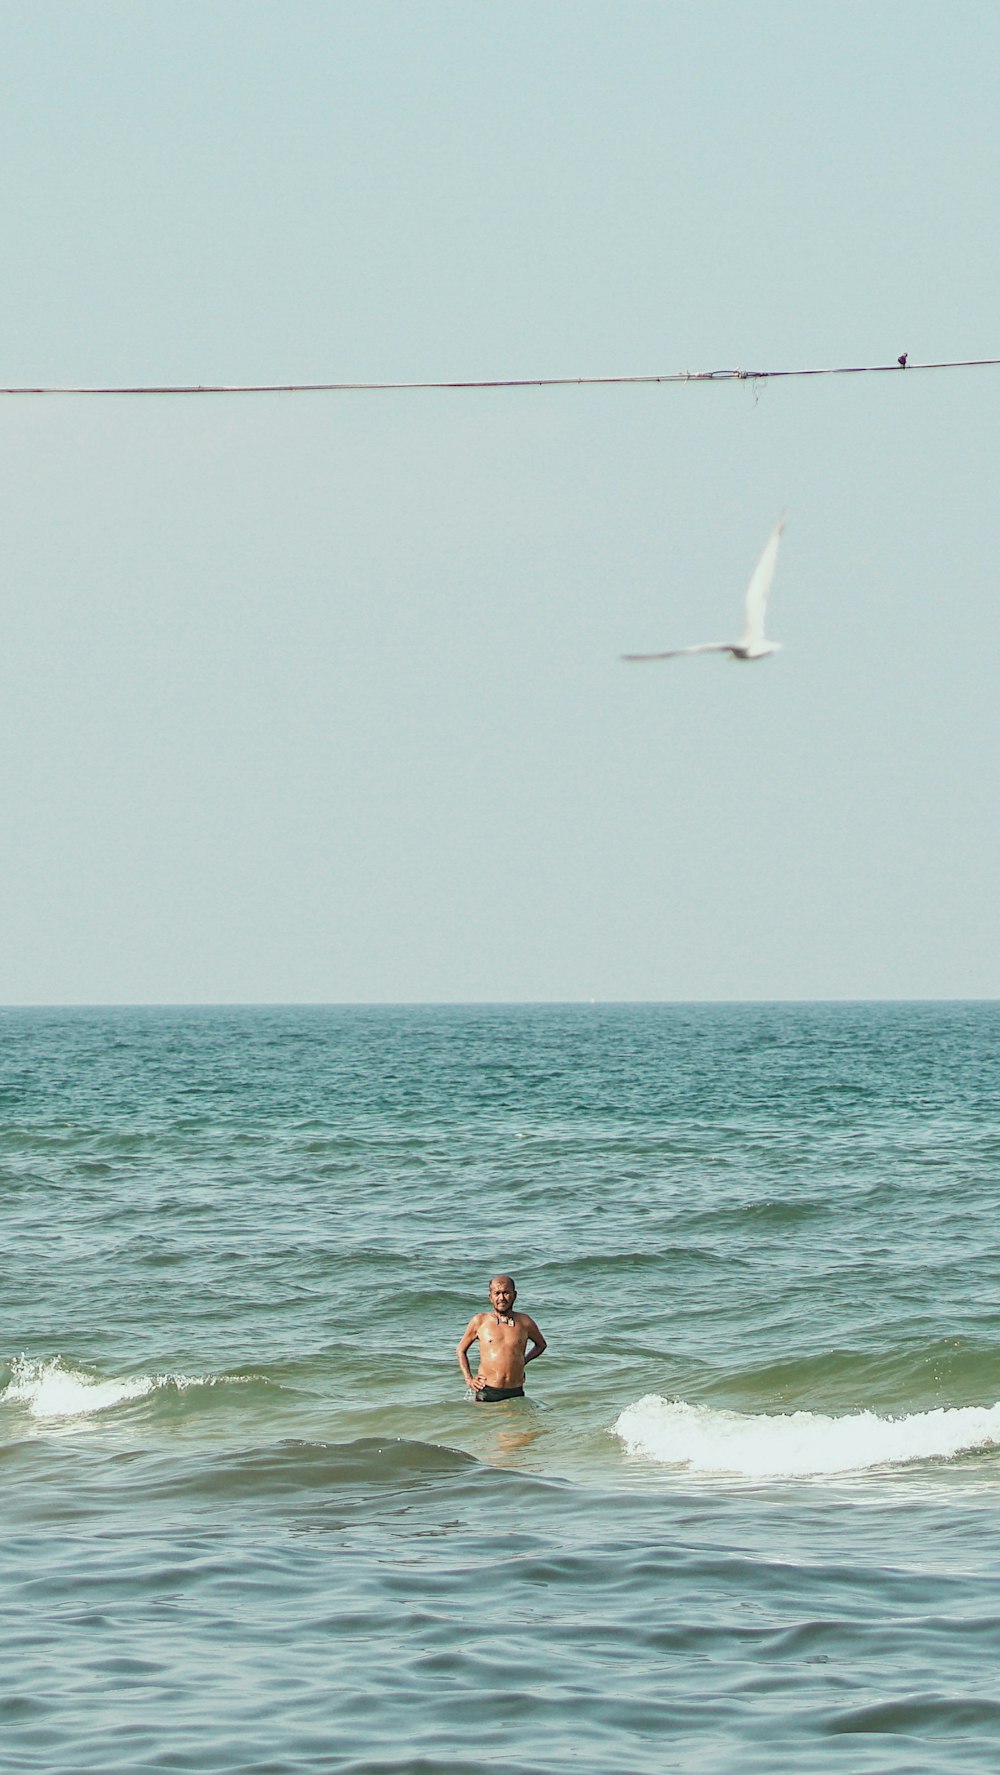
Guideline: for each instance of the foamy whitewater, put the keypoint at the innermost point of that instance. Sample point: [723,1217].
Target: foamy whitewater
[51,1390]
[48,1390]
[747,1518]
[801,1444]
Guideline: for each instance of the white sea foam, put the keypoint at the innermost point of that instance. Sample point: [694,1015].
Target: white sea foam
[799,1443]
[50,1389]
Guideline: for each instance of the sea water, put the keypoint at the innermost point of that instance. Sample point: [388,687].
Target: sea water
[748,1517]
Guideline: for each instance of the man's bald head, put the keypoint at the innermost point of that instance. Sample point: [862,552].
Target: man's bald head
[503,1285]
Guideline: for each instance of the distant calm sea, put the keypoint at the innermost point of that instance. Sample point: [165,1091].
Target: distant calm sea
[749,1517]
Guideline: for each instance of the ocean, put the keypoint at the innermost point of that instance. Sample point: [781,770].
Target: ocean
[747,1518]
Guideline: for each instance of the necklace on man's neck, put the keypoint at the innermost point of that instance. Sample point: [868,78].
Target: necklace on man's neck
[504,1318]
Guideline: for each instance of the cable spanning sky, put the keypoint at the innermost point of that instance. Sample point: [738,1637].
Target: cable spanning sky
[901,363]
[322,699]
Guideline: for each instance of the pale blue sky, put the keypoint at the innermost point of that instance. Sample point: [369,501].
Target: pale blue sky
[318,697]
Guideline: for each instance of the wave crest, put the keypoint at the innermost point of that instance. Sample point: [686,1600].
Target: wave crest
[50,1389]
[800,1444]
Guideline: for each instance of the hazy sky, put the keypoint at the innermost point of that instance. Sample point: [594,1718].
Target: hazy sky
[318,697]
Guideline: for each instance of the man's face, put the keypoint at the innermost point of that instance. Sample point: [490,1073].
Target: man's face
[503,1294]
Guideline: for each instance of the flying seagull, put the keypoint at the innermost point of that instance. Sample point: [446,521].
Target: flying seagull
[752,645]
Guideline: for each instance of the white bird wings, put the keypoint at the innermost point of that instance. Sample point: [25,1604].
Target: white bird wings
[760,585]
[675,652]
[752,644]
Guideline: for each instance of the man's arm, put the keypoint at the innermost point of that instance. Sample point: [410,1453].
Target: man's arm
[537,1343]
[462,1348]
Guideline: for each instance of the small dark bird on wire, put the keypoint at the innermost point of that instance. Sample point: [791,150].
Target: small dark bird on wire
[901,361]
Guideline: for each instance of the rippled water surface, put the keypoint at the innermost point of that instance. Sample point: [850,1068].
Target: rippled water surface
[747,1518]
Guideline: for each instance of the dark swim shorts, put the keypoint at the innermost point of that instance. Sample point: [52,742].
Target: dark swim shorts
[491,1395]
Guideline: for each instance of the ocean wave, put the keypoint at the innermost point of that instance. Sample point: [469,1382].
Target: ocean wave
[938,1372]
[800,1444]
[51,1389]
[362,1467]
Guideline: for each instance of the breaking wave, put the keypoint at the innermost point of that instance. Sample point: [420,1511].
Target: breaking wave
[52,1390]
[799,1444]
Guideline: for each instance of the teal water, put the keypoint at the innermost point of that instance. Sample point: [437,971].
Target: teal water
[748,1516]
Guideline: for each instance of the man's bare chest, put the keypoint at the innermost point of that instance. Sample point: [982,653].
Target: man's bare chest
[500,1335]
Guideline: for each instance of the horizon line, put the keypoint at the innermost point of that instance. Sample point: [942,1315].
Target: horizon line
[281,1004]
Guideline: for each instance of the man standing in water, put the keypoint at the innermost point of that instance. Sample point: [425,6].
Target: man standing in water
[503,1337]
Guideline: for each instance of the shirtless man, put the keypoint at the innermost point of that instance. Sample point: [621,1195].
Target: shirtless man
[503,1337]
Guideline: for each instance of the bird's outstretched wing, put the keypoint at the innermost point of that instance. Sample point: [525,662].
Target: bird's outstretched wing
[676,652]
[760,585]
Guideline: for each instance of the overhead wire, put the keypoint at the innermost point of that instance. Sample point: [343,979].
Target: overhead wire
[674,376]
